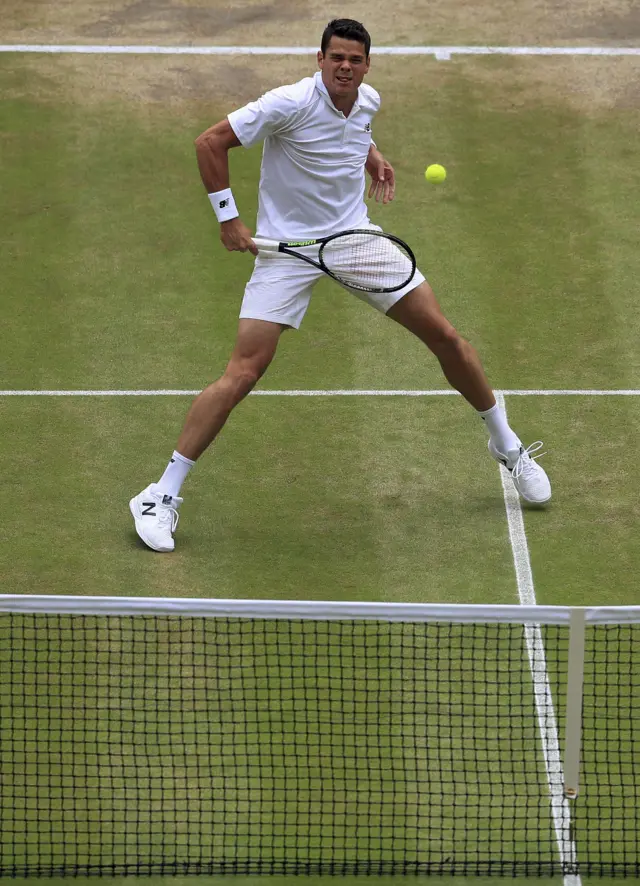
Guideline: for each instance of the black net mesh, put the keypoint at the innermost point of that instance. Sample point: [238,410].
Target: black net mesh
[162,744]
[607,810]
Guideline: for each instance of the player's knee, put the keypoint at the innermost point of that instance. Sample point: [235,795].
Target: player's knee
[243,375]
[446,341]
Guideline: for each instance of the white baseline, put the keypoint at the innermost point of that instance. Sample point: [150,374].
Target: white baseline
[441,53]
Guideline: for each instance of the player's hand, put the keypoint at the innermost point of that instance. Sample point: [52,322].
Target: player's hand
[383,178]
[236,237]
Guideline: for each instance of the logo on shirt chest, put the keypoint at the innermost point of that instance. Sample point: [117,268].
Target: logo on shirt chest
[318,141]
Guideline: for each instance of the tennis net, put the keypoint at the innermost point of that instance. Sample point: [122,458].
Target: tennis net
[153,736]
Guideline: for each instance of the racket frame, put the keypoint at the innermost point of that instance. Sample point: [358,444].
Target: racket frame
[288,248]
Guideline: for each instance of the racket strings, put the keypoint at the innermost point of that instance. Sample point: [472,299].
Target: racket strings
[368,261]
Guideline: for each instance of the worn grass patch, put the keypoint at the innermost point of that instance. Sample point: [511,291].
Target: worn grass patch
[587,85]
[294,22]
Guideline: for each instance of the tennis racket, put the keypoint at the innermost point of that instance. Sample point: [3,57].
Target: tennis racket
[367,260]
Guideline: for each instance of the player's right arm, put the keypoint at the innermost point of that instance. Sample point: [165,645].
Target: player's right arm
[212,151]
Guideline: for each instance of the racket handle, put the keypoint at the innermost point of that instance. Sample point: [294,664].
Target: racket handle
[266,245]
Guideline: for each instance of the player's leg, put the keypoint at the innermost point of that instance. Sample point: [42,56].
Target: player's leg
[155,509]
[276,298]
[419,312]
[255,348]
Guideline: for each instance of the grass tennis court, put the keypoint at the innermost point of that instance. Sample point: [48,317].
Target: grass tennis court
[113,278]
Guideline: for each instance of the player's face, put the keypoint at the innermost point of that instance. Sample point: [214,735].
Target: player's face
[343,67]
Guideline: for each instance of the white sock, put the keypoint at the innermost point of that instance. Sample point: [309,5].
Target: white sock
[174,476]
[503,437]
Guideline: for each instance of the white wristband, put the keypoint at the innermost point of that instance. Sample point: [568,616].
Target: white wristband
[224,205]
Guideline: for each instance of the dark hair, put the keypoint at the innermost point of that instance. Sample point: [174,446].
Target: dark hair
[349,30]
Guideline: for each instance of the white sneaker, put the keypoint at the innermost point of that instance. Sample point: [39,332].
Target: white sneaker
[156,518]
[528,477]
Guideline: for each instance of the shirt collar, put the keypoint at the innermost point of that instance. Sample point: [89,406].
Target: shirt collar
[322,89]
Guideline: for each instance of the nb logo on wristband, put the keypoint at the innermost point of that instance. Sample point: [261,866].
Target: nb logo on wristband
[223,203]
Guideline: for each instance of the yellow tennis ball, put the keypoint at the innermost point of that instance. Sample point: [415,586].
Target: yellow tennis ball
[435,173]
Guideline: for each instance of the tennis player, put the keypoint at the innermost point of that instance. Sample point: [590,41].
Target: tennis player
[318,143]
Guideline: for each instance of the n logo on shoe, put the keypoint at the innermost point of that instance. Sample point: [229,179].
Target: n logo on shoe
[148,508]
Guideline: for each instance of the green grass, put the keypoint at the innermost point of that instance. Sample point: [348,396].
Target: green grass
[582,551]
[363,521]
[113,279]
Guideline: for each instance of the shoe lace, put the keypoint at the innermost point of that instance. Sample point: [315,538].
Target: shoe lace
[526,463]
[167,514]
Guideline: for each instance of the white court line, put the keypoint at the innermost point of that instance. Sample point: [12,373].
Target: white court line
[441,53]
[547,723]
[315,393]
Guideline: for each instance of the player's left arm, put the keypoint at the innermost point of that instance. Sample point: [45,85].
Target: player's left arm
[383,178]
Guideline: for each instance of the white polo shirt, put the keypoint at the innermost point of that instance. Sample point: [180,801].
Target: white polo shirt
[312,176]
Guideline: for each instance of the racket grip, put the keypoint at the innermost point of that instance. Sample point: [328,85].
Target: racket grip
[266,245]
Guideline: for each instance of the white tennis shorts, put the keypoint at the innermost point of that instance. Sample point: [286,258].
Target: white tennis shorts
[280,289]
